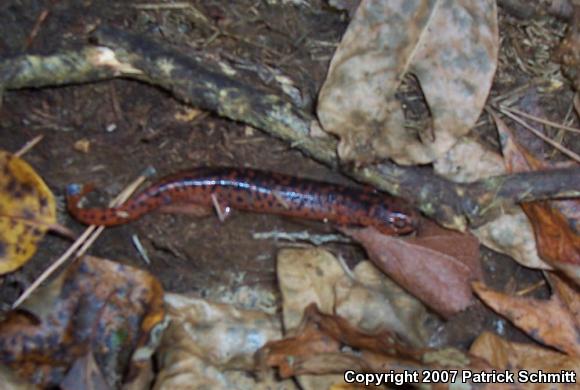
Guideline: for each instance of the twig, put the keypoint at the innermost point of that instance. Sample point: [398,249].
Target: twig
[216,86]
[83,242]
[316,239]
[548,140]
[29,145]
[541,120]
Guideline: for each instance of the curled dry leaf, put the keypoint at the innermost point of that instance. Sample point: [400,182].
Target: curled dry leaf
[365,297]
[436,268]
[557,242]
[27,211]
[515,357]
[315,348]
[512,233]
[450,47]
[207,343]
[550,322]
[97,306]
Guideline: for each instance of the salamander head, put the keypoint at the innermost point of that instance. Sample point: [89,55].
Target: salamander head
[395,219]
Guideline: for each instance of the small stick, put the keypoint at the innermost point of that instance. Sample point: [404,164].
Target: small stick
[39,21]
[83,242]
[529,289]
[548,140]
[541,120]
[140,248]
[29,145]
[222,213]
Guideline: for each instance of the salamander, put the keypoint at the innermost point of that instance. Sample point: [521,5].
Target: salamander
[257,191]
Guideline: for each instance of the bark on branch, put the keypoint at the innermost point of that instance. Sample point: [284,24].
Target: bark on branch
[217,86]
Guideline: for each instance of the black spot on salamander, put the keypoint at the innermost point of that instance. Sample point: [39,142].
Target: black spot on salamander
[2,249]
[35,233]
[42,201]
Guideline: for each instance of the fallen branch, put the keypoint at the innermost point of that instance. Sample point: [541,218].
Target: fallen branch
[216,86]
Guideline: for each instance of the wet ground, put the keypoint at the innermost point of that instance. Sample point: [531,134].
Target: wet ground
[109,132]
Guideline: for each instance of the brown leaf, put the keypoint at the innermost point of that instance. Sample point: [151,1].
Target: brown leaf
[557,243]
[96,305]
[436,268]
[515,357]
[364,296]
[451,48]
[549,321]
[314,349]
[567,292]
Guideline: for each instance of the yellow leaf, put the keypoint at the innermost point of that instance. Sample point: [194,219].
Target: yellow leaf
[27,210]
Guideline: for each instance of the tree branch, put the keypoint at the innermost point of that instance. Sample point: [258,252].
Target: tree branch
[216,86]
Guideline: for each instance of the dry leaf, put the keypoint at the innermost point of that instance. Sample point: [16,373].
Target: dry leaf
[557,243]
[27,211]
[451,48]
[512,233]
[515,357]
[316,349]
[437,269]
[547,321]
[207,343]
[365,298]
[84,374]
[567,292]
[97,305]
[468,161]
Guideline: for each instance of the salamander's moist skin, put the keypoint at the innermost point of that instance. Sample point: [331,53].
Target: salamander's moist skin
[257,191]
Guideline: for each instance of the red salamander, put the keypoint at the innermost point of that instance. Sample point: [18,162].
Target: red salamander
[257,191]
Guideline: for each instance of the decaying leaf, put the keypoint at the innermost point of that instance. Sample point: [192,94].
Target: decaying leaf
[206,344]
[557,243]
[436,268]
[517,357]
[549,322]
[364,297]
[84,374]
[27,210]
[567,292]
[512,233]
[450,47]
[97,306]
[315,348]
[468,161]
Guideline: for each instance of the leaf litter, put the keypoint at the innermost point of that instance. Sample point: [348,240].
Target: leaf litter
[364,320]
[450,47]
